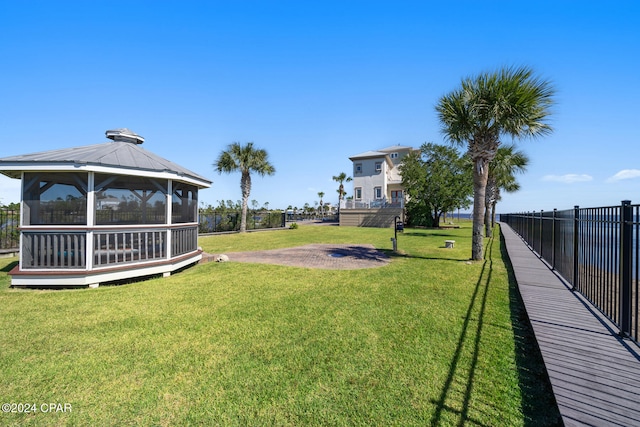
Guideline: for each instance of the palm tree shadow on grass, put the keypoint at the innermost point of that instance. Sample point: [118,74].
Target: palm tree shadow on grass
[441,403]
[538,402]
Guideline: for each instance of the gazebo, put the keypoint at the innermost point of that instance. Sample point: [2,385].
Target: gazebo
[103,213]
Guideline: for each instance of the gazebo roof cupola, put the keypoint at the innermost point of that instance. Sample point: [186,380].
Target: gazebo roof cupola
[124,135]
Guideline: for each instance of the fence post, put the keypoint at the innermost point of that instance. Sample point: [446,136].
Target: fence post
[540,234]
[626,261]
[553,239]
[530,235]
[576,227]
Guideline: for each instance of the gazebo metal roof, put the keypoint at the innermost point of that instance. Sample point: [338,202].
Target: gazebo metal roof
[124,152]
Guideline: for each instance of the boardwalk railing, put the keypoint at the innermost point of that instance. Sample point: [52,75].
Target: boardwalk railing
[596,250]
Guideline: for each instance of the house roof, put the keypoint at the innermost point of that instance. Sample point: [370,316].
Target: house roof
[368,155]
[381,153]
[395,148]
[124,153]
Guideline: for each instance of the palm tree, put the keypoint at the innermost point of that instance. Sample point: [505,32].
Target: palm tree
[502,169]
[321,195]
[246,159]
[341,178]
[512,102]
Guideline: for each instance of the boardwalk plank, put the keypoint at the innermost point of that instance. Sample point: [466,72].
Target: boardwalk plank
[594,374]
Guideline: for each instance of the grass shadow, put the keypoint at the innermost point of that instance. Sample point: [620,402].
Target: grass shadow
[9,267]
[415,234]
[391,254]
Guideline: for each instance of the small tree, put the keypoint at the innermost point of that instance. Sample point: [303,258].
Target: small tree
[502,169]
[321,195]
[341,179]
[437,179]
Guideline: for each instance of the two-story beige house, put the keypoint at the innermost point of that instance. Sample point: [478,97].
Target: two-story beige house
[376,177]
[378,195]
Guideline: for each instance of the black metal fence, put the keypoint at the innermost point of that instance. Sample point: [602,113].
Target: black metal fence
[597,250]
[9,228]
[219,221]
[210,222]
[308,216]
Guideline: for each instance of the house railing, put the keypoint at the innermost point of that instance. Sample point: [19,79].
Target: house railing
[372,204]
[596,250]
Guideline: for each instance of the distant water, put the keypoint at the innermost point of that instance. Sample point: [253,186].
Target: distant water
[461,215]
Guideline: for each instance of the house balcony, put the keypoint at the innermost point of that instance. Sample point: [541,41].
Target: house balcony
[372,204]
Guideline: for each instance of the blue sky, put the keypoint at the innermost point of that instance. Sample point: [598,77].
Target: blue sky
[314,82]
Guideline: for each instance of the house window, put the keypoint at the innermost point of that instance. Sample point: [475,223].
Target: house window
[358,193]
[378,166]
[378,192]
[394,155]
[358,168]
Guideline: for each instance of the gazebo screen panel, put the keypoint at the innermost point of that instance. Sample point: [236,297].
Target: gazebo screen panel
[55,198]
[130,200]
[184,202]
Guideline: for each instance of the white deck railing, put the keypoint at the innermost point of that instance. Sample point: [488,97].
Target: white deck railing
[371,204]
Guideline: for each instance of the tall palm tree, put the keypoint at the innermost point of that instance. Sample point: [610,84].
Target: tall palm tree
[246,159]
[512,102]
[341,179]
[502,169]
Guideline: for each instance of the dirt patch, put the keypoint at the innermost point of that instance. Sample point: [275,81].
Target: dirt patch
[323,256]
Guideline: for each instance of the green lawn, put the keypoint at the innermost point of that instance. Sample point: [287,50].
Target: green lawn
[430,339]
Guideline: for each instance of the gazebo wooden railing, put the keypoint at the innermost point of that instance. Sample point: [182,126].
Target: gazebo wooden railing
[69,250]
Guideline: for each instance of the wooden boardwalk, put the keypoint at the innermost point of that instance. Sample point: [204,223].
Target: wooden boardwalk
[595,375]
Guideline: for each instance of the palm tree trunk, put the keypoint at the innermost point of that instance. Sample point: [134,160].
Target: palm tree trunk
[493,213]
[245,186]
[489,196]
[480,176]
[487,220]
